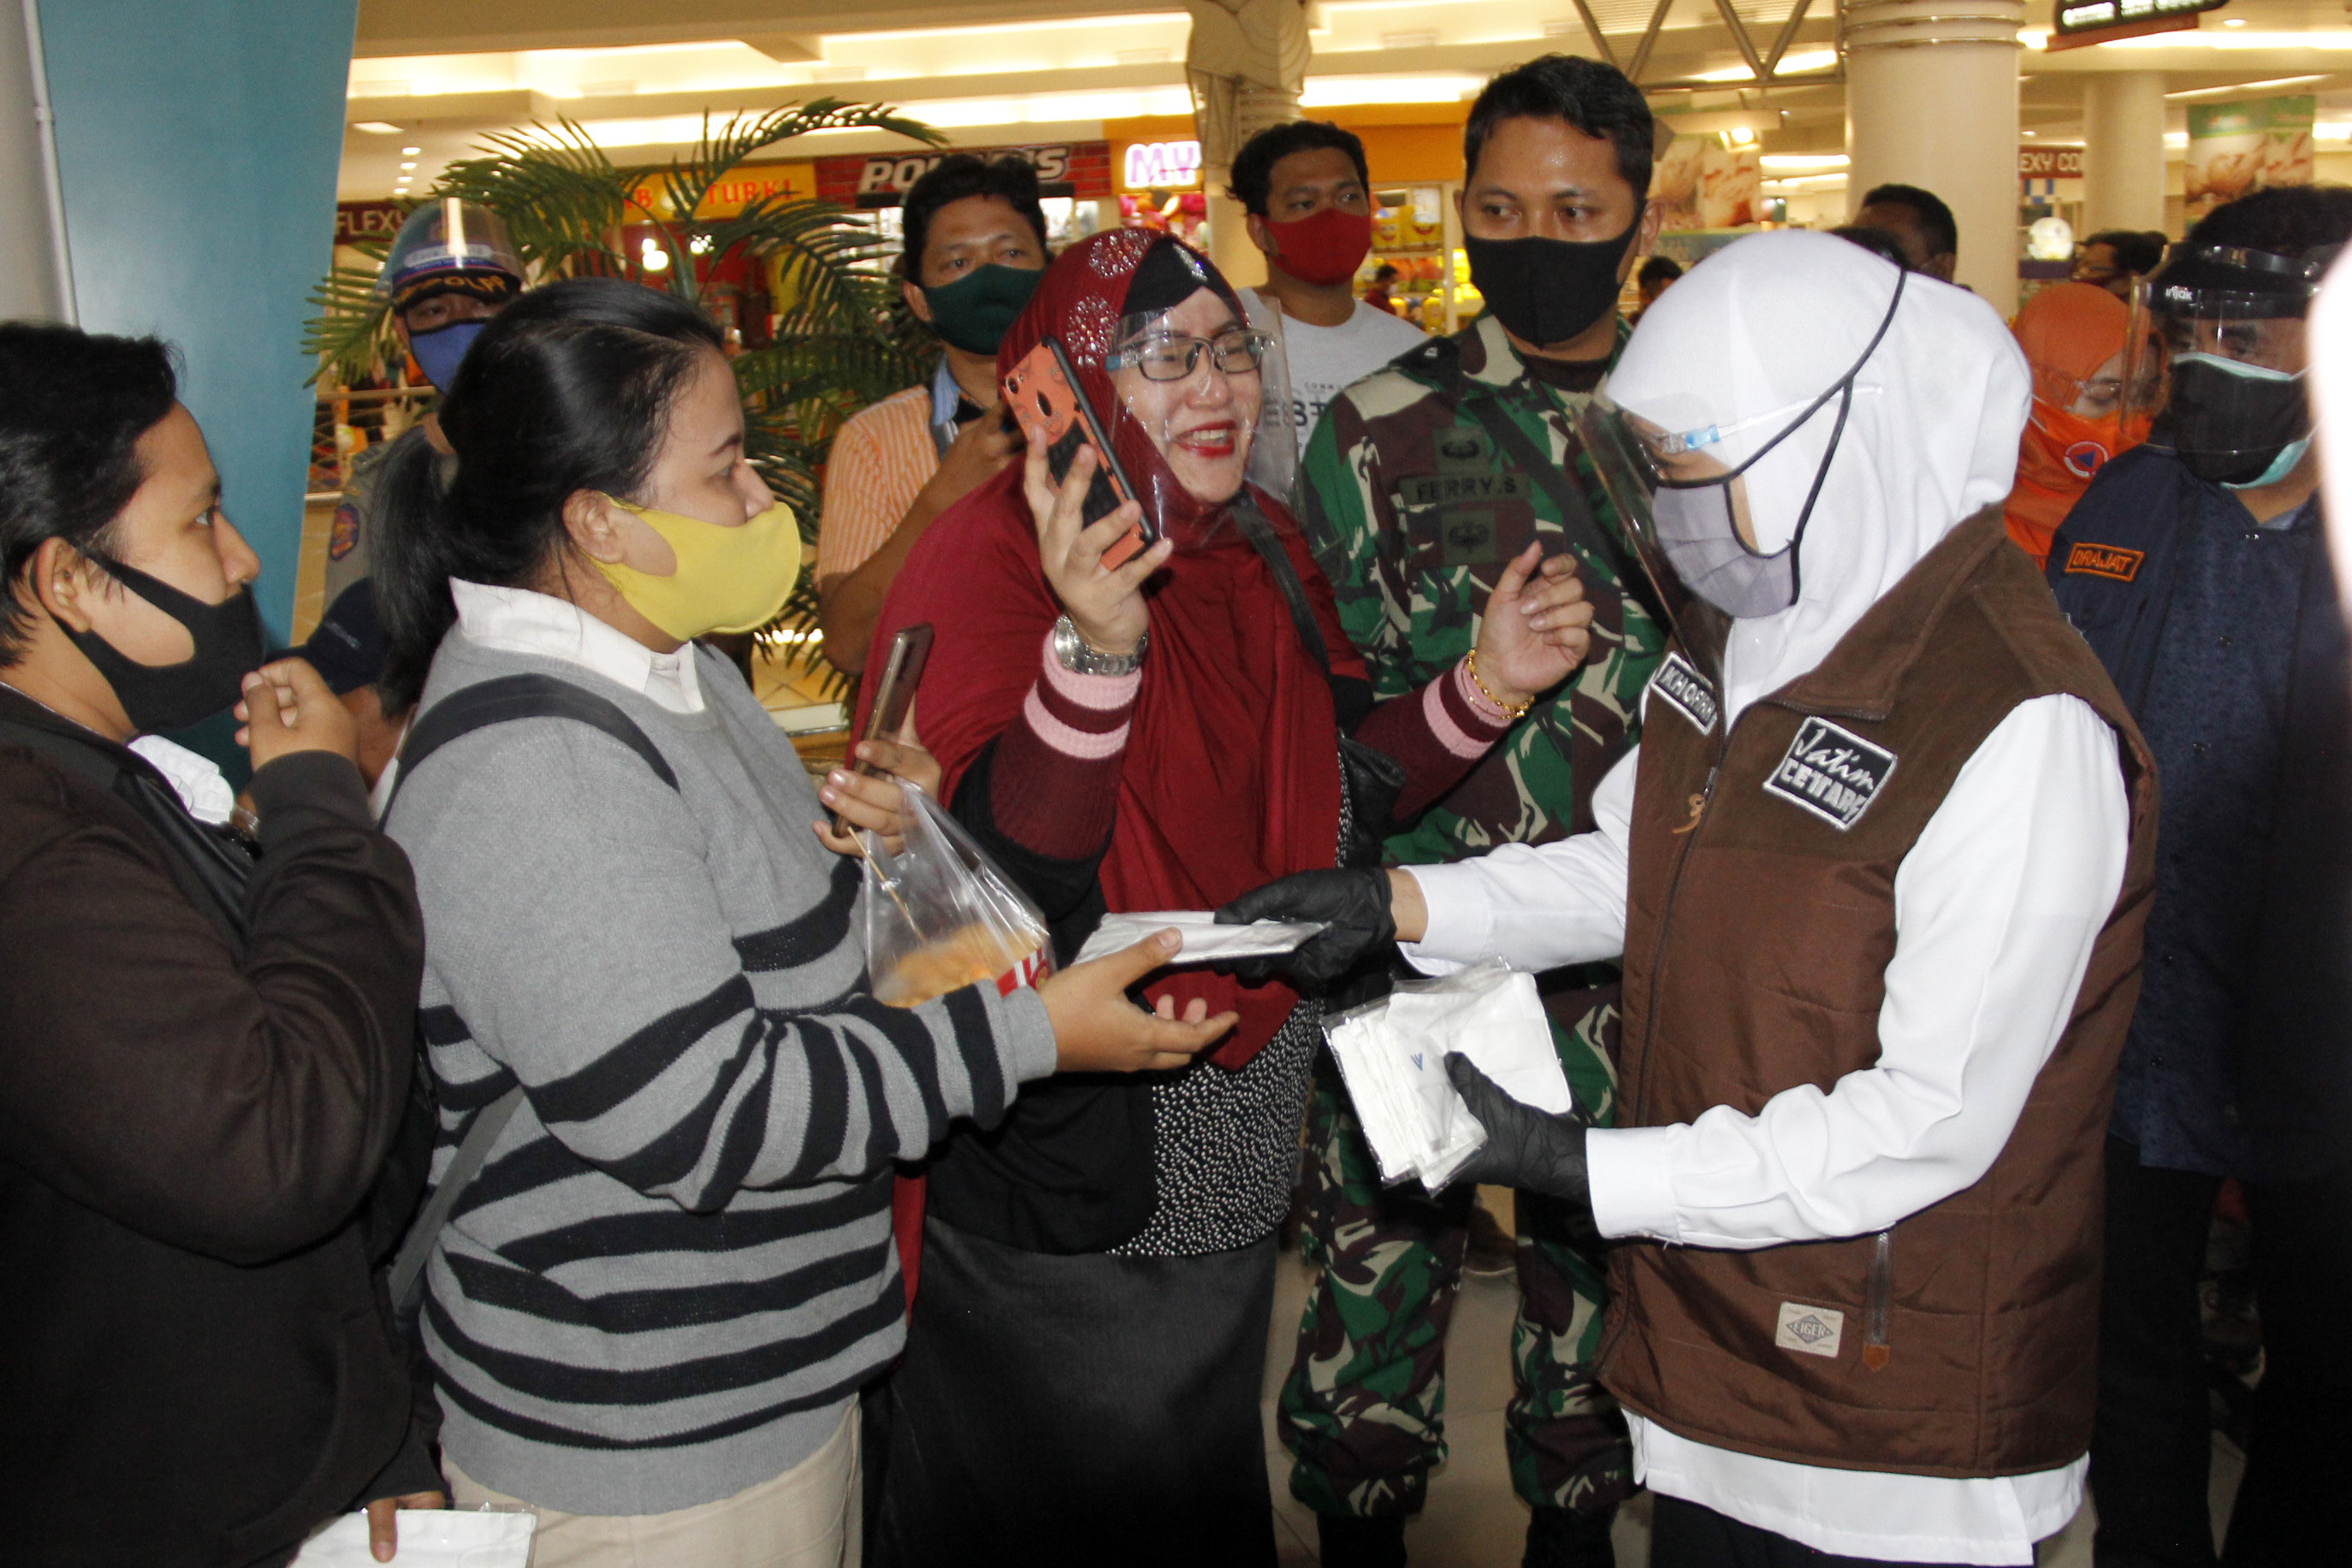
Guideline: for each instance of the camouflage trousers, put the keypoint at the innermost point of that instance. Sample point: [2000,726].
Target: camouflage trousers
[1363,1409]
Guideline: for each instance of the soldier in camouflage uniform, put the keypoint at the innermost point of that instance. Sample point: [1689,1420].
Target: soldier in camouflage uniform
[1423,482]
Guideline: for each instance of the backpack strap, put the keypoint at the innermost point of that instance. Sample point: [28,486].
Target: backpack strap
[511,697]
[479,706]
[1259,532]
[406,1280]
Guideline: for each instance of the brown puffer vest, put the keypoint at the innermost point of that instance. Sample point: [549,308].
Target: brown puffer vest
[1760,921]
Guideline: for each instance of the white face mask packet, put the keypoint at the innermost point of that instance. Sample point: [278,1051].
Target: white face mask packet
[1392,1055]
[1205,941]
[429,1538]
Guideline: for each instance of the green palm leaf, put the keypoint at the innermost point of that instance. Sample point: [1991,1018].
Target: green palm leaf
[844,338]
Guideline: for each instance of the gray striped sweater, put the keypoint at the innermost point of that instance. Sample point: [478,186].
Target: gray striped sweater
[675,1269]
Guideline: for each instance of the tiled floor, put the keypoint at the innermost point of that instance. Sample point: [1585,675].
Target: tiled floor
[1472,1520]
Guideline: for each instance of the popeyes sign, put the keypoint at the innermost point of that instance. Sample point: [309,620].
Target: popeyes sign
[1079,169]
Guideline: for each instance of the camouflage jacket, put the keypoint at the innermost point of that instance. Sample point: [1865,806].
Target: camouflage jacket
[1413,512]
[350,542]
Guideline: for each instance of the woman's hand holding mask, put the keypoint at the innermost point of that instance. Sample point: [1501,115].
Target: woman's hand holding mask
[1106,605]
[1537,630]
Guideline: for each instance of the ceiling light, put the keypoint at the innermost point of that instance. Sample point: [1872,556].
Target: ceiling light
[410,151]
[2332,39]
[2176,140]
[1331,92]
[408,165]
[1790,64]
[650,253]
[1807,159]
[380,89]
[2336,131]
[2234,21]
[377,128]
[2241,86]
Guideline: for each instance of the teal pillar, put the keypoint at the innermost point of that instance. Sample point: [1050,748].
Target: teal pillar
[197,144]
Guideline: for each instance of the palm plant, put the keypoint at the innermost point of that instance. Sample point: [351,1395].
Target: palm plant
[844,340]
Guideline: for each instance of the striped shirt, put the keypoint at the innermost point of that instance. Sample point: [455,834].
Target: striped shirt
[675,1269]
[881,460]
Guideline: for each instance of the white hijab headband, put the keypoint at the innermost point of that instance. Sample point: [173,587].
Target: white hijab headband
[1770,322]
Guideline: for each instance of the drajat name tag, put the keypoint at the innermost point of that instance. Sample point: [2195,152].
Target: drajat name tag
[2104,560]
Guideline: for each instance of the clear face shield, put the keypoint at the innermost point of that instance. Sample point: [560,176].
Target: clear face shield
[1688,511]
[2216,355]
[450,245]
[1214,395]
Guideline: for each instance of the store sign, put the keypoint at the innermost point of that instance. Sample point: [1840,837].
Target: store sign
[2238,147]
[1079,169]
[2082,21]
[2049,162]
[356,221]
[727,198]
[1160,165]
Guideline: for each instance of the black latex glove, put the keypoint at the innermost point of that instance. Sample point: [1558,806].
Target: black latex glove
[1354,904]
[1524,1149]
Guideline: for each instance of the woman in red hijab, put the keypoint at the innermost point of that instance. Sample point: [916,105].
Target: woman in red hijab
[2073,335]
[1082,1373]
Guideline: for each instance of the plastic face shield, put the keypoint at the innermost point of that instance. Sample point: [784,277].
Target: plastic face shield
[447,244]
[1213,395]
[2216,349]
[1685,506]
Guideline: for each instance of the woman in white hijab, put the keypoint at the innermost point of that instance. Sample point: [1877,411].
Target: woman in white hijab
[1877,872]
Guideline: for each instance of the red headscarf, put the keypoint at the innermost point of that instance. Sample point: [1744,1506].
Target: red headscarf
[2068,330]
[1232,772]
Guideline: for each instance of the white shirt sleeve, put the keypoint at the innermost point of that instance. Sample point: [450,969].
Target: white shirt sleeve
[1535,906]
[1996,908]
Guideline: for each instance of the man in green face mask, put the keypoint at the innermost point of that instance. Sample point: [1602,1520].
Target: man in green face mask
[975,247]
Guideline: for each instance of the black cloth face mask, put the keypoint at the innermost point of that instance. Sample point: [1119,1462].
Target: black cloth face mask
[228,646]
[1548,290]
[2230,423]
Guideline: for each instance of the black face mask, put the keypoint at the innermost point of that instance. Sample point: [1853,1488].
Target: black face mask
[228,646]
[2229,426]
[1548,290]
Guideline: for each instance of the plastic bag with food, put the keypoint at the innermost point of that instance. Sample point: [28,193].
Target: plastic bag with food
[939,915]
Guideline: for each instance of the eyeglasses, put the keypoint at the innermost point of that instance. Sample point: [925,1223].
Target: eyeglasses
[1164,356]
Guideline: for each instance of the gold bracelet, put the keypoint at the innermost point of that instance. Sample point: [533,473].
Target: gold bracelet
[1509,713]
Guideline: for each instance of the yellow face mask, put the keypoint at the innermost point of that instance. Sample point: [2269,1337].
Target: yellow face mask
[728,580]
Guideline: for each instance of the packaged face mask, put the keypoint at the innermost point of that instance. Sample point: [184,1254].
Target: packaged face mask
[429,1538]
[1205,941]
[1391,1056]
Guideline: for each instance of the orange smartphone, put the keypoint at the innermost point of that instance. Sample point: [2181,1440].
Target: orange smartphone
[1042,390]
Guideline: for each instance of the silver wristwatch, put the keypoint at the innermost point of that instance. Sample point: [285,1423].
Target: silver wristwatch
[1075,654]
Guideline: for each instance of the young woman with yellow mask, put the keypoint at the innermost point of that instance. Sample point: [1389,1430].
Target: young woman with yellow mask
[651,1310]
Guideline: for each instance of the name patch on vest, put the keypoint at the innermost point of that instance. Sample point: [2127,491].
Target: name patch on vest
[1688,690]
[1830,773]
[2106,560]
[1810,1331]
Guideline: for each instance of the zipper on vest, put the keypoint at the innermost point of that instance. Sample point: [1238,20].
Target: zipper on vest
[1876,1351]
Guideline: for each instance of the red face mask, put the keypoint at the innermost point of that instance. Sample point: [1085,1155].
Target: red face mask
[1324,247]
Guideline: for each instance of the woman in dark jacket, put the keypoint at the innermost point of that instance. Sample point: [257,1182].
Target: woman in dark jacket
[205,1050]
